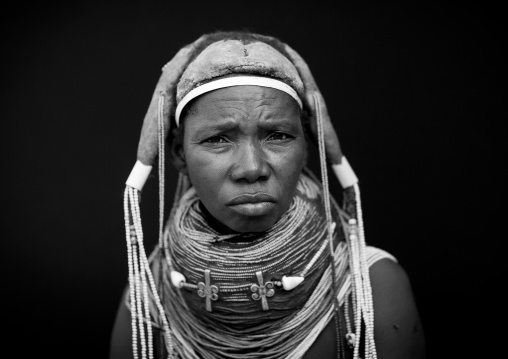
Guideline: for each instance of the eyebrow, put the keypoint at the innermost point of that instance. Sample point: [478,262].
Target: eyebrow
[279,119]
[221,125]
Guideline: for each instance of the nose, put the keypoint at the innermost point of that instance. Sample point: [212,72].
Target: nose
[250,163]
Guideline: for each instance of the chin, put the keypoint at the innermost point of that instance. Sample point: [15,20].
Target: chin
[252,225]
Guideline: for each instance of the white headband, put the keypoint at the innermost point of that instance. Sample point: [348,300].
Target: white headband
[235,81]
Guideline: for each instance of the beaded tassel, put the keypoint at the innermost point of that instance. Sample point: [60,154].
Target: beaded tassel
[162,172]
[362,292]
[140,274]
[137,279]
[131,250]
[329,222]
[360,280]
[367,289]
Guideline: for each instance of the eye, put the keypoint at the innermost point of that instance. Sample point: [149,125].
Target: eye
[215,140]
[279,136]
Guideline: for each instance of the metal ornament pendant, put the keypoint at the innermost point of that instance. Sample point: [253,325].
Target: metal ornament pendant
[262,291]
[208,291]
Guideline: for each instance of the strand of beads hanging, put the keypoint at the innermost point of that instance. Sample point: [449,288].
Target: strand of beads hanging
[358,298]
[131,247]
[362,294]
[366,285]
[327,204]
[137,281]
[350,336]
[141,283]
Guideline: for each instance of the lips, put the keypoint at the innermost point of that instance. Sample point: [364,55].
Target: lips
[252,198]
[255,204]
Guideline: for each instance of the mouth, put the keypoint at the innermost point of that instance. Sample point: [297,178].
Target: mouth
[256,204]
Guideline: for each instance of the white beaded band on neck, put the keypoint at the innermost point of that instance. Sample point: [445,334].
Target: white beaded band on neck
[235,81]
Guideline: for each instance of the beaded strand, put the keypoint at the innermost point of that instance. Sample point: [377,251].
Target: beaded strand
[140,275]
[162,181]
[356,284]
[138,291]
[130,236]
[326,194]
[162,161]
[360,273]
[366,278]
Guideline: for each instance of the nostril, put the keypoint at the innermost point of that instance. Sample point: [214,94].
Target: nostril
[249,177]
[263,178]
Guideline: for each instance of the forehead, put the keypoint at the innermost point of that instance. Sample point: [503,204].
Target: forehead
[244,99]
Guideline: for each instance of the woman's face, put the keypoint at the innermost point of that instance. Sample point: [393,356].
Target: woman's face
[244,149]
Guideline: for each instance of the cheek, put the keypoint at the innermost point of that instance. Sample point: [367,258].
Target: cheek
[289,167]
[207,174]
[293,161]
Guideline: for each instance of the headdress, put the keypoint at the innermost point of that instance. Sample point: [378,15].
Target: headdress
[206,64]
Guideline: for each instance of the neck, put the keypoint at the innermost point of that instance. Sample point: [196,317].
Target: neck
[223,229]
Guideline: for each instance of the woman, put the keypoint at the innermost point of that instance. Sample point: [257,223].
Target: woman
[256,259]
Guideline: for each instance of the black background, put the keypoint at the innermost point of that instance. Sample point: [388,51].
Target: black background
[416,95]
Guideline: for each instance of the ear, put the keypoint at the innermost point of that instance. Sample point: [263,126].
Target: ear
[176,152]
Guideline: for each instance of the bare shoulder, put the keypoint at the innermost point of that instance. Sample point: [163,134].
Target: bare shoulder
[398,330]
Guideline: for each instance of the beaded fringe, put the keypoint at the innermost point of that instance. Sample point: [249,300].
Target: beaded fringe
[362,293]
[140,274]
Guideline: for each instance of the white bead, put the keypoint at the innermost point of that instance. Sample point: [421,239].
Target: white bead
[289,283]
[177,278]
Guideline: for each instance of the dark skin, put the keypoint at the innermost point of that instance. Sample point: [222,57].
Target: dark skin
[249,140]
